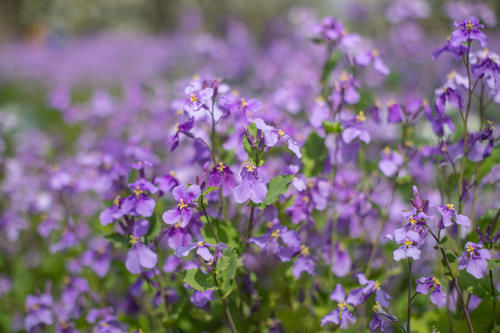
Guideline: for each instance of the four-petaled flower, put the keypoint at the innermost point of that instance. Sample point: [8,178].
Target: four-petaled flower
[183,213]
[474,259]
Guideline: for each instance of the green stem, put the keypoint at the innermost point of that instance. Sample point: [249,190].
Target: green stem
[408,314]
[493,301]
[455,282]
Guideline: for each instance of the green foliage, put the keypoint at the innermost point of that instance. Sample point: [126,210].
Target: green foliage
[314,154]
[478,287]
[225,231]
[332,127]
[199,280]
[117,239]
[226,271]
[277,186]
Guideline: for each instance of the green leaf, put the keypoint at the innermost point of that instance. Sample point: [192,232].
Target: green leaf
[252,129]
[478,287]
[225,231]
[329,66]
[210,189]
[487,164]
[494,264]
[449,244]
[314,154]
[277,186]
[199,280]
[117,239]
[247,146]
[332,126]
[226,271]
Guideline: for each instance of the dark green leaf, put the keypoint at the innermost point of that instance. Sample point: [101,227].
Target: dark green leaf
[226,271]
[199,280]
[332,126]
[314,154]
[277,186]
[117,239]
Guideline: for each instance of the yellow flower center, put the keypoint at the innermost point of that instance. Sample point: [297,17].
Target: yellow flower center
[243,102]
[341,305]
[200,243]
[177,127]
[116,201]
[450,206]
[280,133]
[250,166]
[341,247]
[470,249]
[344,76]
[269,225]
[178,224]
[320,99]
[138,190]
[193,99]
[387,151]
[436,281]
[361,117]
[133,239]
[311,183]
[451,75]
[275,233]
[304,250]
[408,242]
[376,307]
[181,205]
[412,220]
[377,285]
[375,53]
[172,174]
[221,167]
[470,25]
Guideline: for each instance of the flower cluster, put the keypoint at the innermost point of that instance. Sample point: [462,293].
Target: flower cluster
[277,197]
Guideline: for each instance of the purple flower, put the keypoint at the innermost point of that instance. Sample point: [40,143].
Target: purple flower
[139,256]
[341,261]
[304,262]
[329,30]
[373,56]
[183,213]
[184,128]
[39,311]
[222,177]
[380,318]
[488,69]
[474,259]
[98,257]
[391,162]
[394,112]
[450,95]
[139,203]
[354,127]
[342,314]
[270,242]
[409,241]
[345,91]
[456,51]
[438,297]
[252,185]
[370,287]
[197,97]
[438,121]
[202,249]
[201,298]
[468,30]
[449,213]
[273,135]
